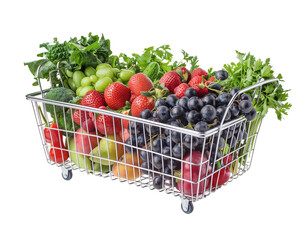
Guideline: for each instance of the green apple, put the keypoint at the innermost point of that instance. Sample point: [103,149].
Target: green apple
[107,150]
[102,83]
[104,168]
[80,160]
[102,66]
[105,72]
[86,81]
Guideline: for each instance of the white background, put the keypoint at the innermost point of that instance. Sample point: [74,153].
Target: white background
[36,203]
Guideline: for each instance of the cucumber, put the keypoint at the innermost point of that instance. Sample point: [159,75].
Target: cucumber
[152,70]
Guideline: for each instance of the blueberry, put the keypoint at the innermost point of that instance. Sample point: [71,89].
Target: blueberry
[201,126]
[177,112]
[131,141]
[190,92]
[245,106]
[195,103]
[184,121]
[223,98]
[135,128]
[246,97]
[172,123]
[209,100]
[232,141]
[215,86]
[154,114]
[157,161]
[163,114]
[160,102]
[166,151]
[141,142]
[144,155]
[215,156]
[233,91]
[171,100]
[145,114]
[220,113]
[234,110]
[221,75]
[158,182]
[174,164]
[251,115]
[182,102]
[178,151]
[221,143]
[208,113]
[176,136]
[190,142]
[158,143]
[153,130]
[193,117]
[168,171]
[147,166]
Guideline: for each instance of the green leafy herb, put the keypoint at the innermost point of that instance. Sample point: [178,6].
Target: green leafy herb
[249,71]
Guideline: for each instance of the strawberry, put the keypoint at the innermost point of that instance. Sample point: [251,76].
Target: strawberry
[116,94]
[211,79]
[199,72]
[201,91]
[140,104]
[93,99]
[171,80]
[180,89]
[140,83]
[125,121]
[107,124]
[184,71]
[132,97]
[80,117]
[197,80]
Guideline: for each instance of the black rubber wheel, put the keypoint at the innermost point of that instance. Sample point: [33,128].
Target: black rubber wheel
[190,208]
[69,176]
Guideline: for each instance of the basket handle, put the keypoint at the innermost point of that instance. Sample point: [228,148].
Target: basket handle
[256,86]
[50,76]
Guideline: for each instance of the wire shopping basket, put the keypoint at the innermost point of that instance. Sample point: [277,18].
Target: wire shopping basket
[213,158]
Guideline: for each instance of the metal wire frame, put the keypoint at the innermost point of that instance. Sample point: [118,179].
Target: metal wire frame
[192,187]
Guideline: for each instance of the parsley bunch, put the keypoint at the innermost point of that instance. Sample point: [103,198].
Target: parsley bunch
[248,71]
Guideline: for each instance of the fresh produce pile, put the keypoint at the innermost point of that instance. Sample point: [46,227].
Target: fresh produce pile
[153,87]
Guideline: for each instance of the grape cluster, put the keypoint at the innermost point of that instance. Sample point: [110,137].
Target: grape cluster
[192,112]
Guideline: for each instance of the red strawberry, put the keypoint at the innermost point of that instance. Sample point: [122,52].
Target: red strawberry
[116,94]
[201,91]
[180,89]
[140,104]
[211,79]
[184,71]
[80,117]
[125,121]
[93,98]
[199,72]
[133,96]
[140,83]
[197,80]
[171,80]
[107,124]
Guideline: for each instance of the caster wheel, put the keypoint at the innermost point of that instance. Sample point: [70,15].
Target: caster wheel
[67,176]
[189,209]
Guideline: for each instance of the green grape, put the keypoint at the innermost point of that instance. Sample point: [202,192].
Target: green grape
[84,90]
[78,90]
[72,84]
[102,83]
[69,73]
[105,72]
[89,71]
[102,66]
[77,76]
[94,78]
[116,70]
[86,81]
[125,75]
